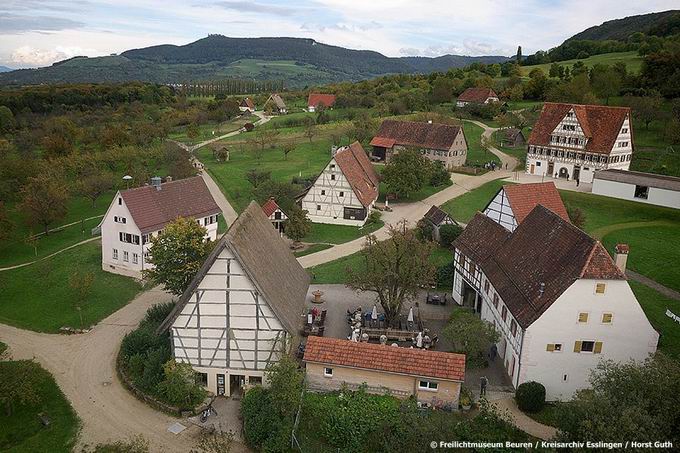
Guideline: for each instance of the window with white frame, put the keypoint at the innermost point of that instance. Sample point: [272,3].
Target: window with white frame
[428,385]
[328,372]
[115,254]
[126,256]
[135,258]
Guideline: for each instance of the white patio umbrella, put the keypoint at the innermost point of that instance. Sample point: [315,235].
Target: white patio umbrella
[410,315]
[419,340]
[355,335]
[374,313]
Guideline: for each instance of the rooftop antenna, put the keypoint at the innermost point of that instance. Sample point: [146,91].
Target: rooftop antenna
[127,179]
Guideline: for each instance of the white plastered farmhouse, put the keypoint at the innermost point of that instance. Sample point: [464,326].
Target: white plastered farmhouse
[136,215]
[556,297]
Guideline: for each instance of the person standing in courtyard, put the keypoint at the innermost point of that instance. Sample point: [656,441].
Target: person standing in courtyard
[483,381]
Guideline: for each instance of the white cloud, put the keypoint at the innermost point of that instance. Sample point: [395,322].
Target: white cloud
[30,56]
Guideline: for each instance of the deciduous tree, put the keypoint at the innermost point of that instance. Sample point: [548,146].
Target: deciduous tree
[407,172]
[20,384]
[94,185]
[394,269]
[470,335]
[44,201]
[177,253]
[297,226]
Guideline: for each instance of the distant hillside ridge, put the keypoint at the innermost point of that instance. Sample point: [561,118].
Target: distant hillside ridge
[621,29]
[297,61]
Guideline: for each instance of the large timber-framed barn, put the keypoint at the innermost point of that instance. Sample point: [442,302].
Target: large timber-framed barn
[242,309]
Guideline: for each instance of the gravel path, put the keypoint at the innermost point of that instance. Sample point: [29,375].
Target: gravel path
[523,421]
[84,368]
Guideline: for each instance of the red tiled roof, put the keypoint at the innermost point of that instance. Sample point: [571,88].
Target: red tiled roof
[524,198]
[247,102]
[359,171]
[478,95]
[389,359]
[544,249]
[411,133]
[383,142]
[601,124]
[152,209]
[315,99]
[269,207]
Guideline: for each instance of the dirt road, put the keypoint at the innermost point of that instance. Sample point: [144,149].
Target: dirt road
[84,368]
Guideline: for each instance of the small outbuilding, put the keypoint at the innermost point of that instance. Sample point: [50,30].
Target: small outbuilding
[512,136]
[275,104]
[660,190]
[436,217]
[272,210]
[434,378]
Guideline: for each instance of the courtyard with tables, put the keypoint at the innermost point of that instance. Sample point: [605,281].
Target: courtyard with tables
[347,313]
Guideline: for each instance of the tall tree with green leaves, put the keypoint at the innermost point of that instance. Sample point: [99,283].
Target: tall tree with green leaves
[20,384]
[177,253]
[393,269]
[407,172]
[297,226]
[470,335]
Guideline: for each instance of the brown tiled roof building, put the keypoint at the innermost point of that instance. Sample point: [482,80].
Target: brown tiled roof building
[477,96]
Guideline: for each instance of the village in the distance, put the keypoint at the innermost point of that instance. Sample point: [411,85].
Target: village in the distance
[272,244]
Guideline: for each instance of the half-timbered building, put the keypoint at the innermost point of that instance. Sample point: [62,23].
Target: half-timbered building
[346,190]
[436,218]
[573,141]
[243,307]
[556,297]
[513,202]
[275,214]
[275,104]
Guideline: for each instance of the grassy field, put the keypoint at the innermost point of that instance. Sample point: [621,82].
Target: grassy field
[205,131]
[312,249]
[308,159]
[476,154]
[23,431]
[38,297]
[549,415]
[655,305]
[463,208]
[656,265]
[632,60]
[337,234]
[335,272]
[15,250]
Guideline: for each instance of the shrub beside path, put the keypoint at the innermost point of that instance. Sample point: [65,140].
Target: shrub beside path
[523,421]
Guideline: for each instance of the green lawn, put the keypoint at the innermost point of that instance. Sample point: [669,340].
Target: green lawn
[205,131]
[602,213]
[665,242]
[337,234]
[23,431]
[335,272]
[38,297]
[549,415]
[463,208]
[655,305]
[14,249]
[632,60]
[421,194]
[312,249]
[477,155]
[308,159]
[524,104]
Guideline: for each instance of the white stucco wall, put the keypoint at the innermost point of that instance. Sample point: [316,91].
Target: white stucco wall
[110,230]
[628,336]
[626,191]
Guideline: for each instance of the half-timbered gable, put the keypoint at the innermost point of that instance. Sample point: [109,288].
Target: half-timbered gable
[345,191]
[574,141]
[242,308]
[513,202]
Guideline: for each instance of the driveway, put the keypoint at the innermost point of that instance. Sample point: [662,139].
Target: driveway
[84,368]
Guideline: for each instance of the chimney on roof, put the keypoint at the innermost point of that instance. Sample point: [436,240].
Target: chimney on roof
[621,256]
[168,178]
[156,182]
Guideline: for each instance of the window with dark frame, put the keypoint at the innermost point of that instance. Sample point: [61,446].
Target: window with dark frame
[641,192]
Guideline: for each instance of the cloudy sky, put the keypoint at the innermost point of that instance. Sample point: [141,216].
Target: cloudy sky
[40,32]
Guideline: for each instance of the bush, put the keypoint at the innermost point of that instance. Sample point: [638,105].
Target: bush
[530,396]
[424,230]
[448,234]
[445,275]
[374,217]
[439,175]
[258,416]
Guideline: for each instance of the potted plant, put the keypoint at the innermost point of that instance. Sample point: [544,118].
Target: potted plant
[465,399]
